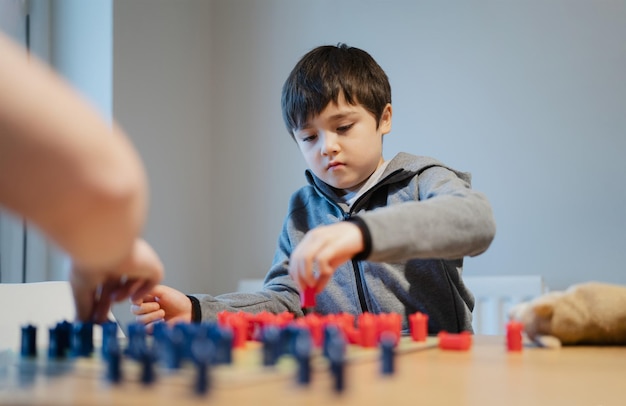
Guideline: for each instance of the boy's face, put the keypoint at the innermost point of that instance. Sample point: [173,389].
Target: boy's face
[342,145]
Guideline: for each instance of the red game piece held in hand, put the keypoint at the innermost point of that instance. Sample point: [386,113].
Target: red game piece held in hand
[307,297]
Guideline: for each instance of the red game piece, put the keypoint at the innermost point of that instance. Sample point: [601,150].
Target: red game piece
[316,327]
[314,324]
[391,324]
[514,336]
[238,323]
[418,326]
[459,342]
[353,335]
[284,318]
[368,330]
[307,297]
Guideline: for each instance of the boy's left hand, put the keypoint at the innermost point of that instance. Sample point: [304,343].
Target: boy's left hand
[321,251]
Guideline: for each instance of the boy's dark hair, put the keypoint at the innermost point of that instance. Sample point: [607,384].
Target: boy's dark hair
[323,74]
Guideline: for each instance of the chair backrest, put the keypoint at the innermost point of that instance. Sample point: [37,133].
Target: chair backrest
[41,304]
[495,295]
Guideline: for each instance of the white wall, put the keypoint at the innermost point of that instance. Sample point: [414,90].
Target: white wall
[528,96]
[161,97]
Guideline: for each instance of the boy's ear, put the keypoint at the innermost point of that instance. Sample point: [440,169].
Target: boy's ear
[385,119]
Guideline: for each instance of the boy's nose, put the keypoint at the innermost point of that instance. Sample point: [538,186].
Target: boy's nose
[329,144]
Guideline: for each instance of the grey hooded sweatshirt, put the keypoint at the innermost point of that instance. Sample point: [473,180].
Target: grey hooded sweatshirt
[420,220]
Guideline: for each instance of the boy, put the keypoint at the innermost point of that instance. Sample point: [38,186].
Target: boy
[79,180]
[367,235]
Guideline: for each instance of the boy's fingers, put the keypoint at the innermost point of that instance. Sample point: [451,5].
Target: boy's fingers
[144,299]
[144,308]
[142,291]
[151,317]
[321,282]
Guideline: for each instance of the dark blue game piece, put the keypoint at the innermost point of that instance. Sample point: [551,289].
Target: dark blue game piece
[136,340]
[387,344]
[270,337]
[64,337]
[287,338]
[160,333]
[335,352]
[331,331]
[114,361]
[109,337]
[173,348]
[303,346]
[82,339]
[159,330]
[29,341]
[202,353]
[223,339]
[187,333]
[147,357]
[55,344]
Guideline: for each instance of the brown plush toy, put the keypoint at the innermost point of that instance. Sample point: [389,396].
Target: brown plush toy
[589,313]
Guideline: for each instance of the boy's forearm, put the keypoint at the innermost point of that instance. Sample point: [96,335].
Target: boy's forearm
[268,300]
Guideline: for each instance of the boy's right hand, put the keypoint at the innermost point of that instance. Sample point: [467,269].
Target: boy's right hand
[162,303]
[321,251]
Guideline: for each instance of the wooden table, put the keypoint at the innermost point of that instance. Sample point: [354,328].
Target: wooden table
[485,375]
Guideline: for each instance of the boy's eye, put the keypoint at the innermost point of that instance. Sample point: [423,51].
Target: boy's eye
[344,128]
[309,138]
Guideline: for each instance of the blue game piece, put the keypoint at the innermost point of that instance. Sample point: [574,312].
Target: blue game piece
[173,348]
[160,333]
[147,357]
[271,345]
[29,341]
[335,352]
[187,331]
[82,339]
[331,331]
[387,345]
[64,337]
[202,353]
[223,339]
[109,337]
[55,344]
[136,340]
[160,330]
[287,338]
[114,361]
[302,347]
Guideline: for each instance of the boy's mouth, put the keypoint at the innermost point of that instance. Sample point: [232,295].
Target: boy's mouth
[333,165]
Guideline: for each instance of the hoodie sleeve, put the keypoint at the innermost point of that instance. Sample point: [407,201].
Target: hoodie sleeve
[444,219]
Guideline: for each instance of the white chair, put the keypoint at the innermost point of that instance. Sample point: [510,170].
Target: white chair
[41,304]
[495,295]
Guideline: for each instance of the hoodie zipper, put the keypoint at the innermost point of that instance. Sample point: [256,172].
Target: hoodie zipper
[355,264]
[357,276]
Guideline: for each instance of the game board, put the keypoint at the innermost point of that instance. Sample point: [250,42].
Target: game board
[247,367]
